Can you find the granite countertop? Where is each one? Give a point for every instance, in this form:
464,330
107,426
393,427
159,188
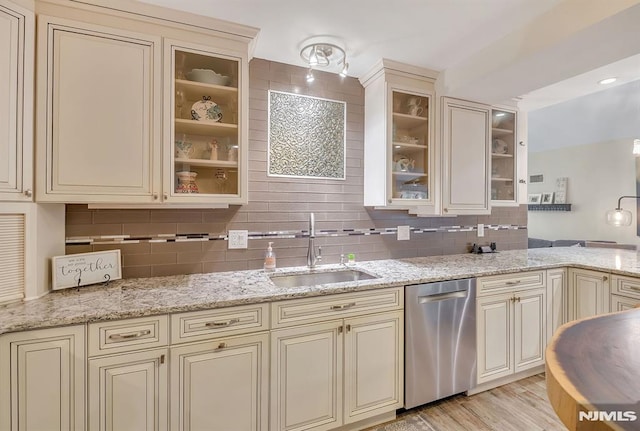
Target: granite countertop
148,296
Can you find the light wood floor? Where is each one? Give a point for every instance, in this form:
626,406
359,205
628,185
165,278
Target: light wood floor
519,406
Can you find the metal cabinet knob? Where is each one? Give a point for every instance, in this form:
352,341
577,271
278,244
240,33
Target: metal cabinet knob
28,193
155,196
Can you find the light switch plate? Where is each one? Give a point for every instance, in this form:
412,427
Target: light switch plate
238,239
480,230
404,233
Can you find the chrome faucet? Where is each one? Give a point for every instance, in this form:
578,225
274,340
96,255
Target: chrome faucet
312,257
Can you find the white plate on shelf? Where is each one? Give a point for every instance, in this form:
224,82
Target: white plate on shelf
206,110
498,146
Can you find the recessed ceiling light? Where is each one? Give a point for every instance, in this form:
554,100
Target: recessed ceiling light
607,81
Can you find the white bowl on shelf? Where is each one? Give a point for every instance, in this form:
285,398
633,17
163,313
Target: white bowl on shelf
207,76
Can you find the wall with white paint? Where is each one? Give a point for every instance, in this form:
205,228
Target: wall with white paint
598,174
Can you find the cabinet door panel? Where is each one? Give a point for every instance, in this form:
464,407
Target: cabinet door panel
556,300
102,86
588,293
220,384
494,337
373,365
46,372
16,105
306,377
529,329
466,155
128,392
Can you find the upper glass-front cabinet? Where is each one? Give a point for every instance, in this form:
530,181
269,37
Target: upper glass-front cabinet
410,147
206,153
400,153
503,156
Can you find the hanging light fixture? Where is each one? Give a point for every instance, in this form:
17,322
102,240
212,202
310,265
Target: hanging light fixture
619,217
324,55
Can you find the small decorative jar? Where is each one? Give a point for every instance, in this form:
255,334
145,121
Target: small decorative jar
186,182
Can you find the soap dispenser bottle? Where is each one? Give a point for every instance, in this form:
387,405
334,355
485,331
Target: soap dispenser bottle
269,259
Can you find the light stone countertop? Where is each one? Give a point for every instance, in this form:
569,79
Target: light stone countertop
157,295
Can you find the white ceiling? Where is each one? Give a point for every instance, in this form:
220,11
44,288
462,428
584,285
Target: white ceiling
435,34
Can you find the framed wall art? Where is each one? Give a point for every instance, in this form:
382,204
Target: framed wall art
307,137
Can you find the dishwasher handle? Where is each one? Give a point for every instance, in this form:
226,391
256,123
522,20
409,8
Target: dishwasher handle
442,296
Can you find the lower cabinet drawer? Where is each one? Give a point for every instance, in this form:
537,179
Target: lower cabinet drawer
128,335
501,283
623,303
220,322
309,310
626,286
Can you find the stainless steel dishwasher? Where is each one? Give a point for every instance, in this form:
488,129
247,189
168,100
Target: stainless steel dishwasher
440,340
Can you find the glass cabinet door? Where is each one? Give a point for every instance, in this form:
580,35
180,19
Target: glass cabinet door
410,147
205,133
503,155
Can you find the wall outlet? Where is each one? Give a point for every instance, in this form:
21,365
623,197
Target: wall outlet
480,230
404,233
238,239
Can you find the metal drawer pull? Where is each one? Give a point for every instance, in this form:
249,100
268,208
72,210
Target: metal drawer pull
130,335
221,324
513,283
222,345
344,306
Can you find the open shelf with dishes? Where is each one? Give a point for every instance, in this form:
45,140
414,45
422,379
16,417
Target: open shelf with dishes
503,156
206,146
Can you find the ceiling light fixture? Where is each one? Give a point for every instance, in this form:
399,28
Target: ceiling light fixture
324,55
619,217
607,81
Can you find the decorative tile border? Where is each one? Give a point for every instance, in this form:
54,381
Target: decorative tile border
198,237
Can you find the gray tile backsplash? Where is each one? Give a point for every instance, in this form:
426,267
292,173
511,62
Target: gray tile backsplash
283,204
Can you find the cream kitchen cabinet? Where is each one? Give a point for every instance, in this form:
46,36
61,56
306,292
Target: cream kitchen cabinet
208,155
557,297
625,293
589,293
505,152
511,330
127,374
466,159
42,380
623,303
116,96
339,370
17,46
128,391
222,378
221,384
401,154
98,115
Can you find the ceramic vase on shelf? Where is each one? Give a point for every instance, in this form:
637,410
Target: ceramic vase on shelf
186,182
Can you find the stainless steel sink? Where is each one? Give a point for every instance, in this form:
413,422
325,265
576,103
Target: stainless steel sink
314,278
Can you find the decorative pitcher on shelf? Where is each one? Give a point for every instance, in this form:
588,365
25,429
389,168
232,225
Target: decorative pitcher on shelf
186,182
